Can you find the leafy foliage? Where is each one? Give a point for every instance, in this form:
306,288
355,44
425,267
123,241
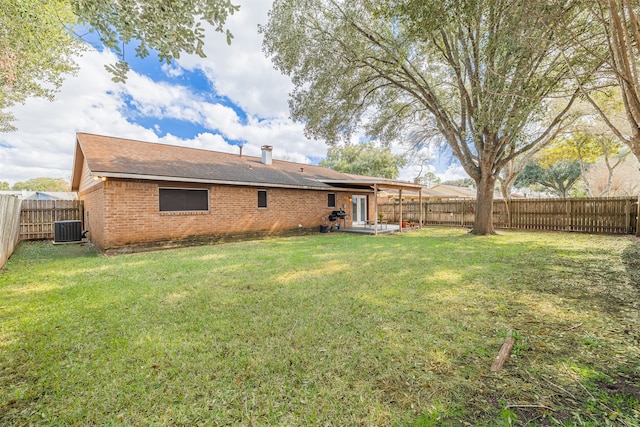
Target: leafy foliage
479,73
4,185
617,21
36,51
42,184
429,179
38,41
559,177
364,159
168,28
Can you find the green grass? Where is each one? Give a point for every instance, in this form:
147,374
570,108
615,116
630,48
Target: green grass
326,329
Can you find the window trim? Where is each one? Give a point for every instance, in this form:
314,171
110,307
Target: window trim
266,199
186,189
335,200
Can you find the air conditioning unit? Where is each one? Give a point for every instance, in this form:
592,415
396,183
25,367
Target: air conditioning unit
67,231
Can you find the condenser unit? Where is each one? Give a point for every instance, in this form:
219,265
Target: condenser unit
67,231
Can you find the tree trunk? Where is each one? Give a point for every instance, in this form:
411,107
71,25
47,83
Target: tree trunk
484,206
634,144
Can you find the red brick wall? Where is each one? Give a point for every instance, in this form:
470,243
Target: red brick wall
93,213
125,213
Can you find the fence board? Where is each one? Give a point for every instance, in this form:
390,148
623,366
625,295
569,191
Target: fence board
37,216
586,215
9,226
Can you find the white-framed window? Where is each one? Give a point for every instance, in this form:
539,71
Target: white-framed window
183,199
262,199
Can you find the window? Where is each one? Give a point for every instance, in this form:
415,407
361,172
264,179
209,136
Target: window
262,198
331,200
180,200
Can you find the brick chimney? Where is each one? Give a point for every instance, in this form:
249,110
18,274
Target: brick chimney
266,154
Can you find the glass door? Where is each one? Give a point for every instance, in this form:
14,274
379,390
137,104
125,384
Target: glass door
359,205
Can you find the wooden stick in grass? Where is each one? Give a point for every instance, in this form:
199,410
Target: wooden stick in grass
503,355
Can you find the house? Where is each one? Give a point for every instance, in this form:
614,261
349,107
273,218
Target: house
456,192
41,195
147,194
392,196
446,191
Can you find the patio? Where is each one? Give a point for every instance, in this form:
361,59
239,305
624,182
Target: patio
382,229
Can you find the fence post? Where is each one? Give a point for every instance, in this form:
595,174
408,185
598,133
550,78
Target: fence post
425,211
627,211
638,219
568,212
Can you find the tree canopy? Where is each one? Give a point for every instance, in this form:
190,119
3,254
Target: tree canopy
620,29
479,73
559,177
42,184
168,28
39,39
36,51
364,159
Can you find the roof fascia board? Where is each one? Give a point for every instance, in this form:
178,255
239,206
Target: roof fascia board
381,184
213,181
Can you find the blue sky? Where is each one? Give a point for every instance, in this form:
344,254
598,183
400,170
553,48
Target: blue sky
231,97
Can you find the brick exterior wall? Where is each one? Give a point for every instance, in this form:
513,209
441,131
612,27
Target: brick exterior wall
94,218
125,213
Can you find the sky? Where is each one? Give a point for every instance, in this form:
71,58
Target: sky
233,96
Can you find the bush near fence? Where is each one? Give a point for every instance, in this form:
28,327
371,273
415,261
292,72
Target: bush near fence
588,215
9,226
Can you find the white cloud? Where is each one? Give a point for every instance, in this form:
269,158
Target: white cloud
91,102
44,142
241,71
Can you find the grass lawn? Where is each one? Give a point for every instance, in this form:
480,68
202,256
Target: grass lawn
325,329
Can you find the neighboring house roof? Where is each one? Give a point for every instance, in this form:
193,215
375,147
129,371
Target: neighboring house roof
41,195
124,158
427,193
453,192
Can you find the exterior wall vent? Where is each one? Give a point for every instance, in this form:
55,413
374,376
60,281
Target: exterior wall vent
67,231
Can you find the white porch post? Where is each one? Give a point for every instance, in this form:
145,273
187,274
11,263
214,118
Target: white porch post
420,204
375,210
400,197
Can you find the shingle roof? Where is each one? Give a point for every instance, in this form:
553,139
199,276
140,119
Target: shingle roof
125,158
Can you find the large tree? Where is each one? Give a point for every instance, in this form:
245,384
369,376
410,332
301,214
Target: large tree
559,177
586,148
481,72
42,184
36,51
40,38
619,32
364,159
167,27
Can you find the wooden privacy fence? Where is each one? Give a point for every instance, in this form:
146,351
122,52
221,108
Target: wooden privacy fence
9,226
589,215
37,216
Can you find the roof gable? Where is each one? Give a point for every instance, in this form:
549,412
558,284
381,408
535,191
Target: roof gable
125,158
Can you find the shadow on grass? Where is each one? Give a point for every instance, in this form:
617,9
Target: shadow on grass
325,329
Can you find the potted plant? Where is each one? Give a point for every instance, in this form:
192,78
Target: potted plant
380,216
404,223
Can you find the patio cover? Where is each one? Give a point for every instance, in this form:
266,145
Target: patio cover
379,184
